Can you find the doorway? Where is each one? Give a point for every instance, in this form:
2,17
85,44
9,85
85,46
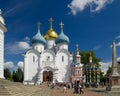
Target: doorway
47,76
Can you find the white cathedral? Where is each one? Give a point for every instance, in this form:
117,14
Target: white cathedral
49,58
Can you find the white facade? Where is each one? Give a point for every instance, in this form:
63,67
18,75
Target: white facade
36,63
47,62
2,30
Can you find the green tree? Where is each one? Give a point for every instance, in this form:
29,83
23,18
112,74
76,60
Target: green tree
102,78
18,75
7,74
85,60
109,71
85,57
15,76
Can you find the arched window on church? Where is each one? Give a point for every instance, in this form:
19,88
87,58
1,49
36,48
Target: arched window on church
33,59
62,58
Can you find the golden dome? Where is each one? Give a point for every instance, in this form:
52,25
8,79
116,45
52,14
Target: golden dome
50,34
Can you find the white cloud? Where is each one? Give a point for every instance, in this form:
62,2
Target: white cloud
118,59
80,5
20,65
9,65
118,44
16,47
117,37
105,66
11,10
23,45
27,39
97,47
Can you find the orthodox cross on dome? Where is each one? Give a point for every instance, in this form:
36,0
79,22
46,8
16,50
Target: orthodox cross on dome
77,47
61,25
39,26
51,20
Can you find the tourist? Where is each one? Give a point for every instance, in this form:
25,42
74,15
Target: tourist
64,89
52,86
75,87
81,90
68,86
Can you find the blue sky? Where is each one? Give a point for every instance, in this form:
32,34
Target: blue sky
92,24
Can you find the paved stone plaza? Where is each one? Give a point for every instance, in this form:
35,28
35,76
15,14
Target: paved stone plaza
8,88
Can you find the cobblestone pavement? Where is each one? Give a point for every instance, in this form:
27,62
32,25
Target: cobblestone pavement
87,92
8,88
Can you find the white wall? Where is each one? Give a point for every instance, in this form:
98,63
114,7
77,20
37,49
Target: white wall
62,46
32,65
38,47
47,60
1,53
50,43
63,67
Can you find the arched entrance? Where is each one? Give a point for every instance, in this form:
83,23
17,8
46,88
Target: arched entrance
47,76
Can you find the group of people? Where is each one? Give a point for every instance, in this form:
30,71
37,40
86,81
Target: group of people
78,88
65,86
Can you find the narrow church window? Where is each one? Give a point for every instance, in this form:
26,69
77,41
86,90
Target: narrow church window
62,58
33,58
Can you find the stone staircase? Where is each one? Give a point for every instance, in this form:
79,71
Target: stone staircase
8,88
4,91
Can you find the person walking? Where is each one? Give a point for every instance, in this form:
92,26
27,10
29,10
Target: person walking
81,90
64,89
75,88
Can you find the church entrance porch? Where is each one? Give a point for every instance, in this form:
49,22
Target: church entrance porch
47,76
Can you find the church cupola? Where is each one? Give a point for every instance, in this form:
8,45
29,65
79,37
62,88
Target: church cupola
50,34
38,40
62,38
90,58
77,55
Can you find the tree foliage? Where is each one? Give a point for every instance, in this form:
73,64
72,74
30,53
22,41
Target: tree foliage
109,71
18,75
102,77
7,73
85,57
85,60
